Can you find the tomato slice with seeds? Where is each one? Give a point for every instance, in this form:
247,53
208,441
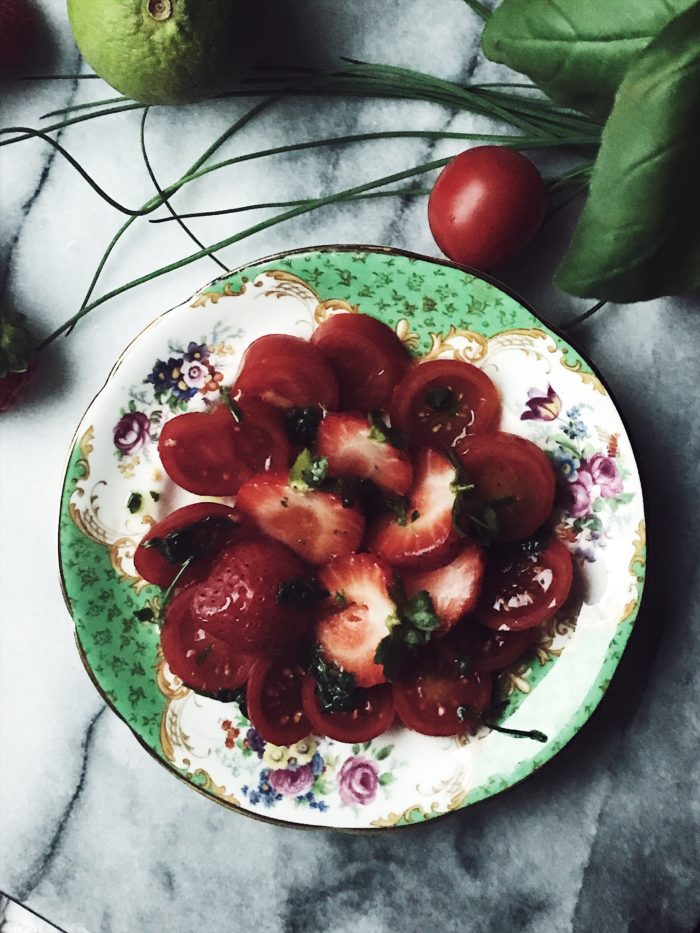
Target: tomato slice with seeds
275,703
514,476
213,454
373,714
203,662
287,372
434,696
525,586
218,522
367,357
442,401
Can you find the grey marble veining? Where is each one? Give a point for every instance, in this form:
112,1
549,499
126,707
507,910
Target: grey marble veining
94,834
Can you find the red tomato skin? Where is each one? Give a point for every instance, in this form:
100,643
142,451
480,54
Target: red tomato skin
495,651
486,206
480,410
556,558
211,454
275,703
503,464
204,663
429,690
374,716
152,565
367,358
286,372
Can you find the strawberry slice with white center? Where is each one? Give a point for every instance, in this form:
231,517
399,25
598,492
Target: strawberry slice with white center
453,588
360,615
421,535
357,446
290,508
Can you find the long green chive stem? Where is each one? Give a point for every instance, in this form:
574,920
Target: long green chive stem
207,154
584,317
31,133
534,734
402,193
243,234
479,8
166,202
94,103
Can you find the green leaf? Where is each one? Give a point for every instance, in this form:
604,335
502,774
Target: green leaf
638,236
336,688
301,425
386,778
419,612
134,502
384,752
399,506
191,541
308,472
301,593
383,434
576,51
16,346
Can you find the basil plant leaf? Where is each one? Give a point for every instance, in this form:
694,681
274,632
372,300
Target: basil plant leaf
576,51
638,236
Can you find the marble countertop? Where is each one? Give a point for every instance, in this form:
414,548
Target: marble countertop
94,835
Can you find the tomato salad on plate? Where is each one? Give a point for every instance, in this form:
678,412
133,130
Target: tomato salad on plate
383,551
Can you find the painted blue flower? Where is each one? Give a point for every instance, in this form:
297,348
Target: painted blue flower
196,352
317,764
575,429
256,742
266,792
566,465
160,377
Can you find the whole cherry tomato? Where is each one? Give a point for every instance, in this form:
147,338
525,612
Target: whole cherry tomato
486,206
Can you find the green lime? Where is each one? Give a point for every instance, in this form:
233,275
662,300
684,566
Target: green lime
165,51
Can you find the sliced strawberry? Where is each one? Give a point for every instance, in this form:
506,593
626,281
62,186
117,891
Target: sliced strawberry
423,537
239,601
313,523
453,588
355,447
360,614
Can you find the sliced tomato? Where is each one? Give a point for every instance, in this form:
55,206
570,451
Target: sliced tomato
433,696
210,523
514,475
203,662
373,714
367,357
275,703
213,454
494,651
440,402
525,586
286,372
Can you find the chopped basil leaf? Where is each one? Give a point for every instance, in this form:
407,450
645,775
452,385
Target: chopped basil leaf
335,687
414,627
300,594
190,542
308,472
134,502
399,506
301,425
231,405
155,496
383,434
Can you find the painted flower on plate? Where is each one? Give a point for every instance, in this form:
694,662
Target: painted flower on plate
358,781
292,782
605,475
131,432
542,405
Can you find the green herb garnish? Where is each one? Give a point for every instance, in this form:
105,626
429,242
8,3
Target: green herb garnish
301,425
191,542
383,434
336,688
415,626
301,593
308,472
235,409
134,502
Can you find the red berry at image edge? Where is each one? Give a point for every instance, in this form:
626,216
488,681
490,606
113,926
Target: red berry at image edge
12,385
17,25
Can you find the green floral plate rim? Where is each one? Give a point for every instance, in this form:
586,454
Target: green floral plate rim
115,488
